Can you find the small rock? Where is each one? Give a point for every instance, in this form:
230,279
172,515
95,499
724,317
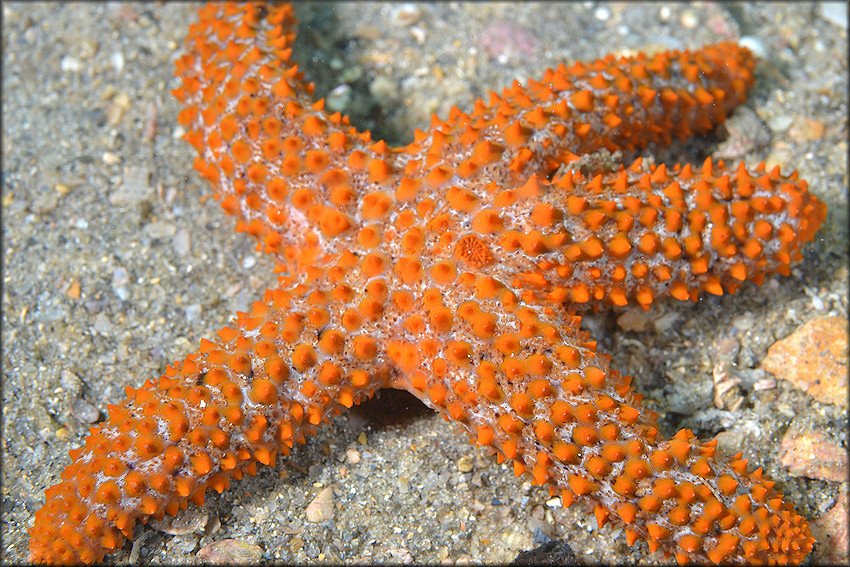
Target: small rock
102,324
138,543
780,123
806,129
506,40
70,64
814,455
110,158
182,242
189,521
71,383
321,508
134,188
754,44
464,464
45,202
746,134
602,13
835,13
814,359
149,130
193,312
727,394
634,319
383,89
83,411
405,15
689,20
726,349
160,229
352,456
556,552
833,527
231,552
766,383
666,321
74,291
117,61
400,555
118,107
120,277
339,98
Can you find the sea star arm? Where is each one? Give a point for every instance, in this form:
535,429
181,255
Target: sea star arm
519,378
306,184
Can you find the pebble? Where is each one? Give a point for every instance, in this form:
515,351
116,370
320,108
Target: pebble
45,202
689,20
814,359
102,324
464,464
835,13
780,123
666,321
83,411
192,520
602,14
400,555
507,40
70,64
182,242
383,89
231,552
352,456
814,455
110,158
136,550
74,290
339,98
405,15
115,112
727,394
634,319
193,312
160,229
833,538
806,129
755,45
117,61
746,134
120,277
71,383
134,188
766,383
321,508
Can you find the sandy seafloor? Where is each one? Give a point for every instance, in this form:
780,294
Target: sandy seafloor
95,207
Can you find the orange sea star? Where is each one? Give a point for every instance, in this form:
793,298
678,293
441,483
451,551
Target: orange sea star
449,268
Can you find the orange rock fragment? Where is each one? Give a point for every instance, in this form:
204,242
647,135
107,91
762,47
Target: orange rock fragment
814,359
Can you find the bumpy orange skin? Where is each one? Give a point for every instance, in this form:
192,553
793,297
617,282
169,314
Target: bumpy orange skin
449,268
